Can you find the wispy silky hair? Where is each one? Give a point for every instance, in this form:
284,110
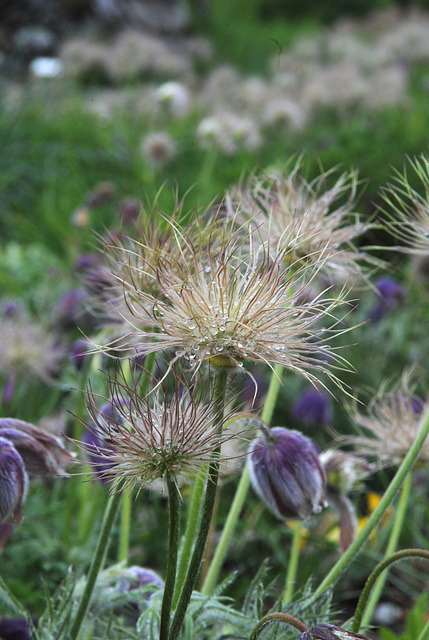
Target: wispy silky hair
407,215
392,423
301,218
229,306
28,349
172,432
132,262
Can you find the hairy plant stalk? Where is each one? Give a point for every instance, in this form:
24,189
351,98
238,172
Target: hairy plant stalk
174,501
188,541
347,558
205,519
124,531
293,564
384,564
96,564
391,546
241,492
277,617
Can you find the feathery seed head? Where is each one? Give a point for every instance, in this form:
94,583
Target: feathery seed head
28,349
226,307
408,220
393,423
302,218
156,437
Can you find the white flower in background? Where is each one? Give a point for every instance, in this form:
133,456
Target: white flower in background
158,149
176,97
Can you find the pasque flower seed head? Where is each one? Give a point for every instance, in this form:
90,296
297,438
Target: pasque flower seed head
166,434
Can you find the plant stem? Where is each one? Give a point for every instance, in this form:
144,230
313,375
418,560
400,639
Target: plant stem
206,515
293,564
391,546
96,564
174,502
191,526
241,492
277,617
351,553
425,632
124,531
384,564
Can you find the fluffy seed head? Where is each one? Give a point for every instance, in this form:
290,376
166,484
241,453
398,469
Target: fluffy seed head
228,306
163,435
28,349
300,218
392,423
408,213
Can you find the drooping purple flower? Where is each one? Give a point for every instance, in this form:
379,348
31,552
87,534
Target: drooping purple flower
15,629
330,632
312,408
286,473
13,483
41,452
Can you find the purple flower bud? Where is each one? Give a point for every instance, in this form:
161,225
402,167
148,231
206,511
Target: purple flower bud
286,473
253,391
330,632
15,629
41,452
6,531
390,293
87,262
11,308
13,483
94,444
70,309
137,577
100,195
78,353
312,408
129,210
9,389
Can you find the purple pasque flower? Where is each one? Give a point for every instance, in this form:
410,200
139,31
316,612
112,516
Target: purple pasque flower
330,632
286,473
79,352
135,577
96,447
41,452
13,483
312,408
390,294
15,629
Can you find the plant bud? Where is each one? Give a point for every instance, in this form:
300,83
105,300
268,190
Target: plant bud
15,629
42,453
13,483
312,408
286,473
